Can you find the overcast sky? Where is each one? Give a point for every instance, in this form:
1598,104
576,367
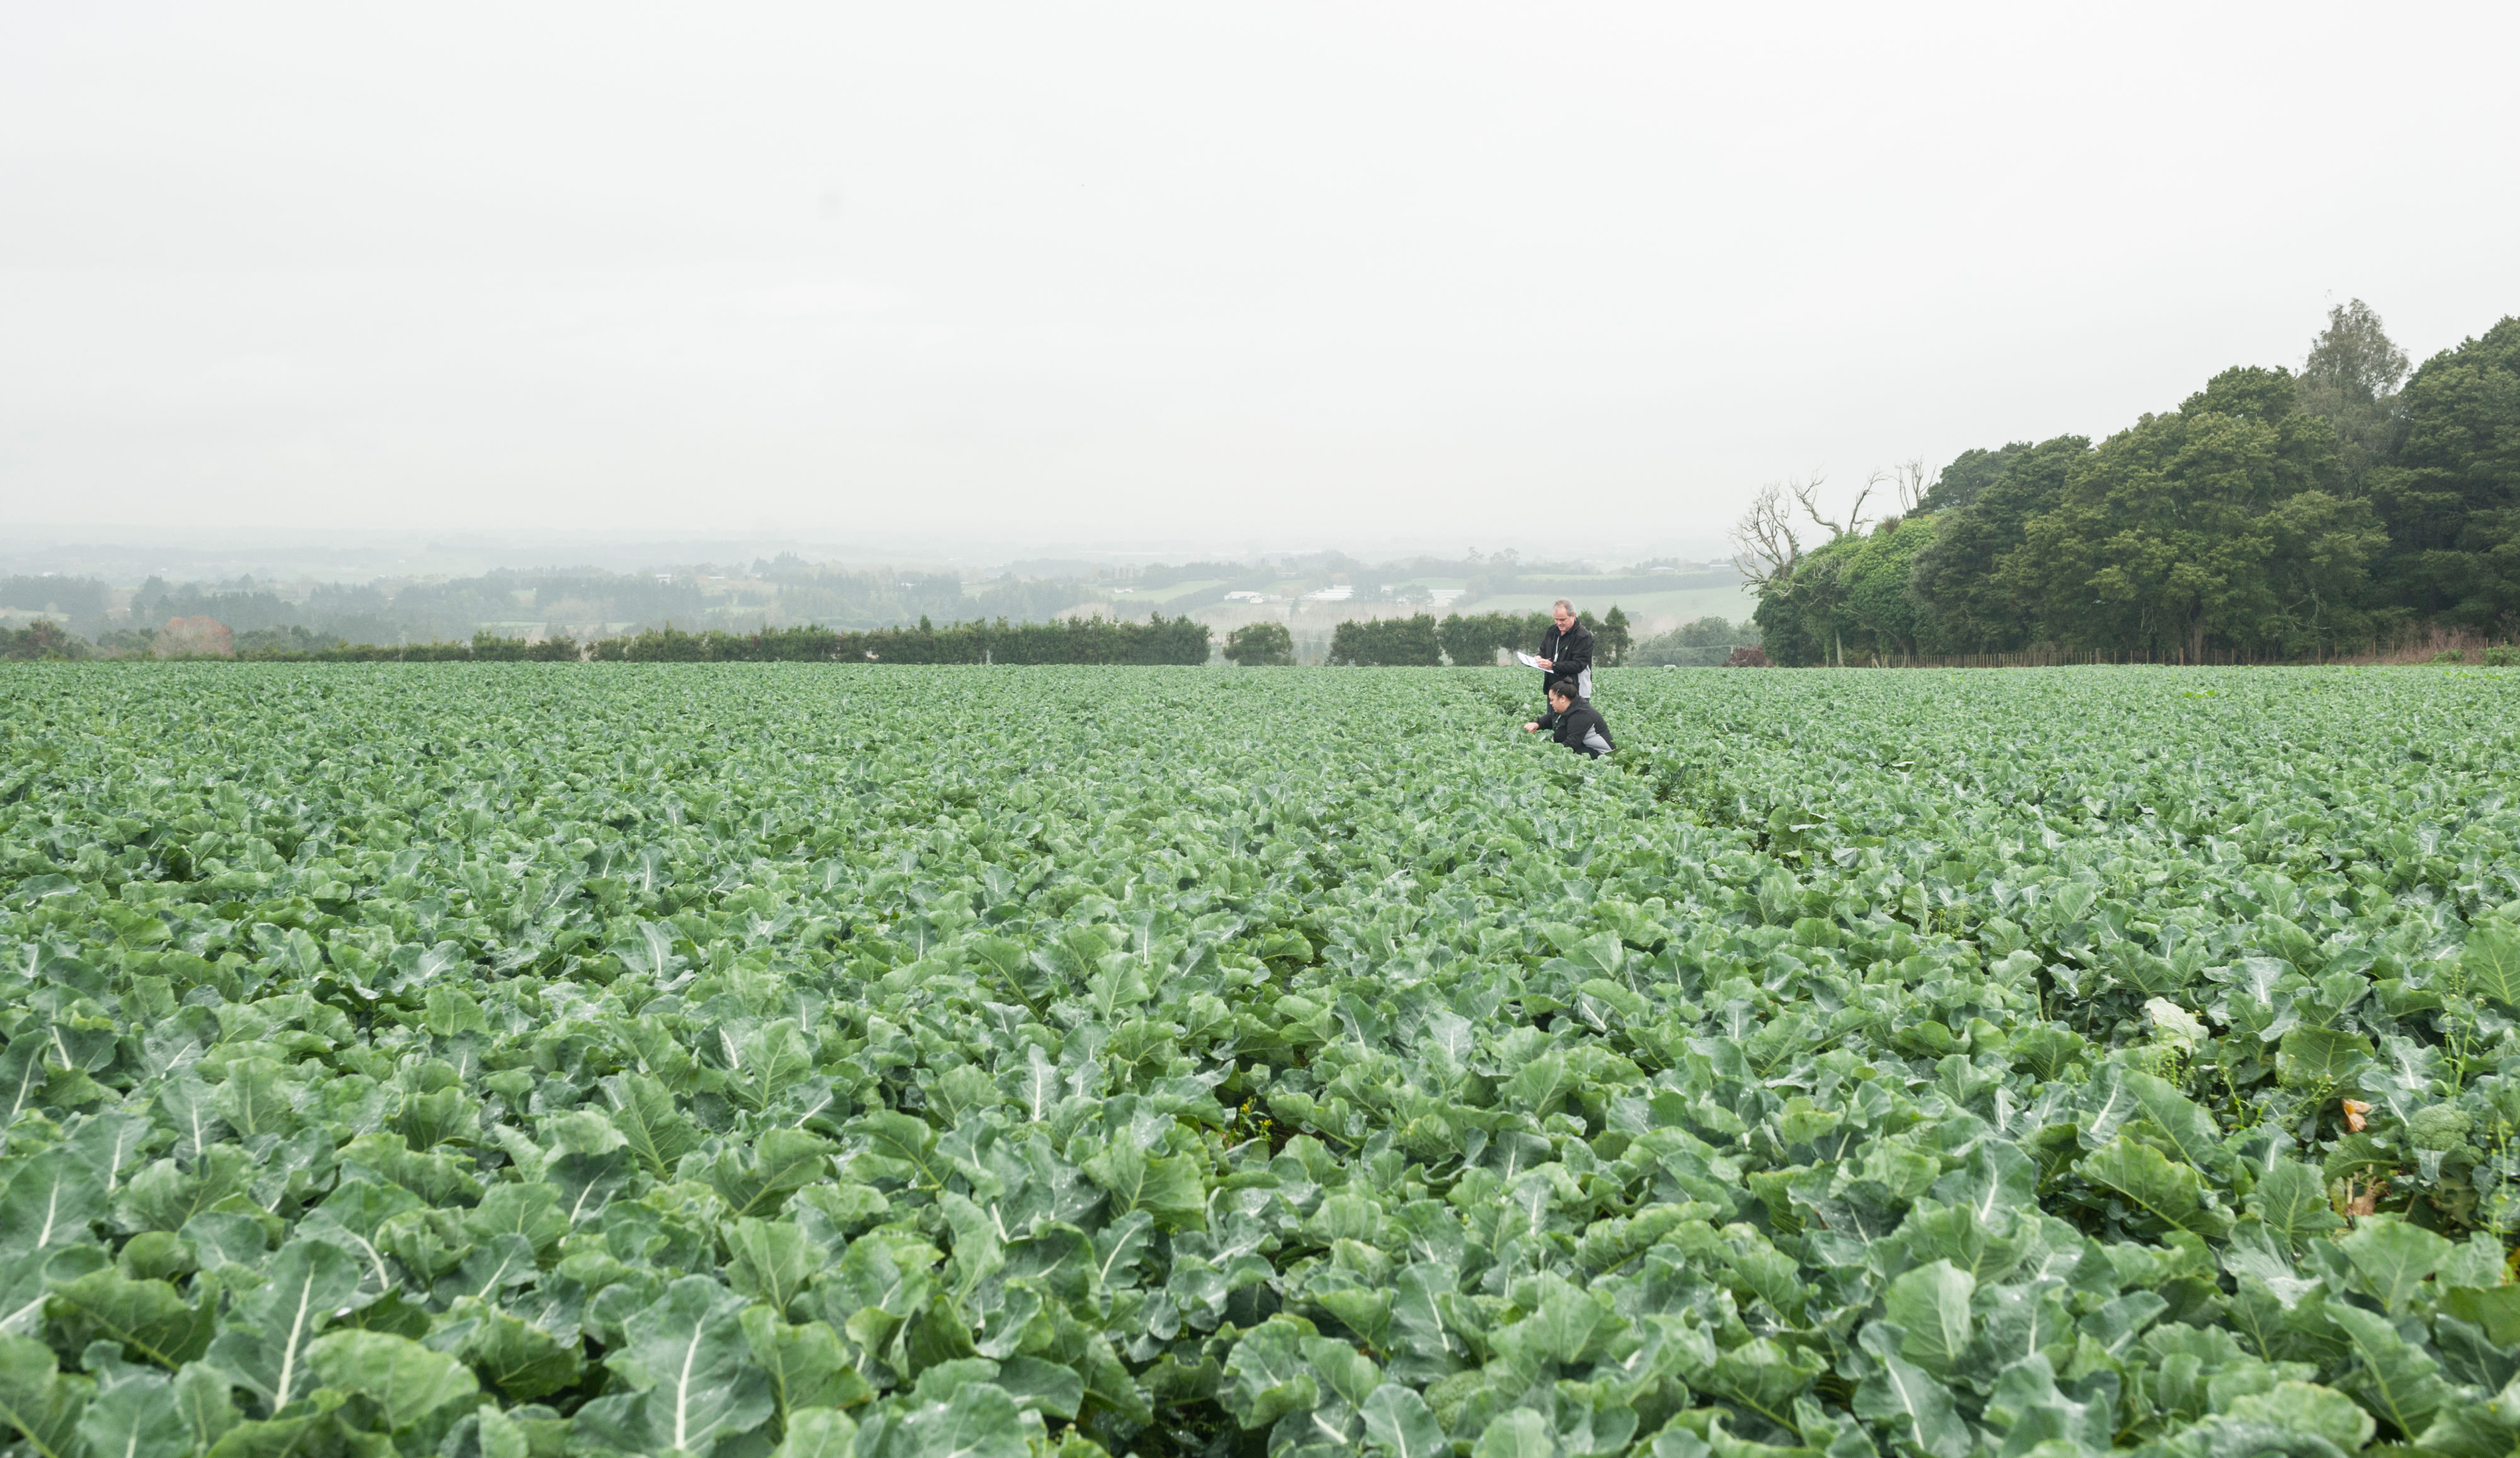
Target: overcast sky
1282,273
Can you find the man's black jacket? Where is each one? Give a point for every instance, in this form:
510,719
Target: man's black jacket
1572,728
1569,654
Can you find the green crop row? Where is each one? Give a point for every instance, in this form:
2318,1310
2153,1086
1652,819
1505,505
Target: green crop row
751,1060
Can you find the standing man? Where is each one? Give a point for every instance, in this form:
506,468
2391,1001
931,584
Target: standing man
1566,650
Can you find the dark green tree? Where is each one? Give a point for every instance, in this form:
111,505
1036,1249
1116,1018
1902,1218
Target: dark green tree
2349,379
1261,645
41,639
1468,641
2218,525
1880,611
1612,639
2451,499
1475,639
1962,604
1387,643
1969,475
1802,615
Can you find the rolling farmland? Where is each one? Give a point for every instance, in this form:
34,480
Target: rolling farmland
909,1061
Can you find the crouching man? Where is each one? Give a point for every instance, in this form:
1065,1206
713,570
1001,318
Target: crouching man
1573,722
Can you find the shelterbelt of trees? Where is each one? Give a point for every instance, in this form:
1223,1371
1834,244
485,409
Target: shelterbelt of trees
1466,641
1391,642
2271,516
1071,640
1074,641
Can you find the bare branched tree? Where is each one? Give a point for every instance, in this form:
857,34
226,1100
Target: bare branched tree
1806,494
1915,480
1764,547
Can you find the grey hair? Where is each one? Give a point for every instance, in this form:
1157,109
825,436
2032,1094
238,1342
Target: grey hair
1562,603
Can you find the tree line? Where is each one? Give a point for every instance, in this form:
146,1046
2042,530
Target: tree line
579,603
783,592
1073,641
1462,640
1419,641
2273,515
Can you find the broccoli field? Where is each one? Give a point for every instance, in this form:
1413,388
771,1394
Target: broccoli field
876,1062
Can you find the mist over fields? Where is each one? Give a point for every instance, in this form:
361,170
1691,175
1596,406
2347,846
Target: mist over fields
318,592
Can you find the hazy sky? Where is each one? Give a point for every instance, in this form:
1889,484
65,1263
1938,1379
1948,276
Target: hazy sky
1281,274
